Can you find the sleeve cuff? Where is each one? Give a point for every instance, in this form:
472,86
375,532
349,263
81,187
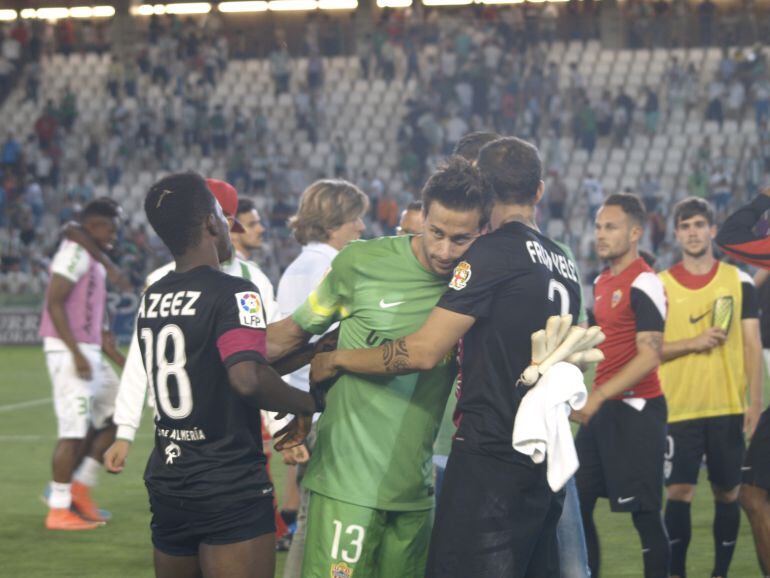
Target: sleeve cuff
125,432
244,356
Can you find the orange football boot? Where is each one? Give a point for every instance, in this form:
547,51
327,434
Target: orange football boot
84,504
66,519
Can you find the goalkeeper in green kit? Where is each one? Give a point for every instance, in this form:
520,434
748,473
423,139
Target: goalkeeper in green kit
370,475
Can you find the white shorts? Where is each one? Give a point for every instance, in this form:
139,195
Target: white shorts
79,403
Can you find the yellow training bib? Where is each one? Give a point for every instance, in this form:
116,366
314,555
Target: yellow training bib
709,384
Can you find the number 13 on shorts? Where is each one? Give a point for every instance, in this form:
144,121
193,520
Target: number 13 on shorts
345,540
354,553
336,538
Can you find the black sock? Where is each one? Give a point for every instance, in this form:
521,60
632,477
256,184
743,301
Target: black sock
727,520
587,504
289,516
655,548
679,527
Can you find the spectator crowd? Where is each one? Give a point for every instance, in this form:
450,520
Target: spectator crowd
481,68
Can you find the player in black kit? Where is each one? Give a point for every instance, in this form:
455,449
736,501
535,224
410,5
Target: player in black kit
202,334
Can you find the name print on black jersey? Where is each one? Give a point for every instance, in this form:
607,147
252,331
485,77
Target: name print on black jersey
551,259
175,304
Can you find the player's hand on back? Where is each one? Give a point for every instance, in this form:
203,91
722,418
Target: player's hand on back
82,366
709,339
115,456
322,367
293,434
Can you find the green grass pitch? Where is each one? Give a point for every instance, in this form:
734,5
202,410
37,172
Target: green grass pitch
122,548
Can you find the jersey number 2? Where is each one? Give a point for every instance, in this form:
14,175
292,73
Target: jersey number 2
167,368
555,287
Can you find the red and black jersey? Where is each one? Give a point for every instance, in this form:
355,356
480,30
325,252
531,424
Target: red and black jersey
737,238
192,326
624,304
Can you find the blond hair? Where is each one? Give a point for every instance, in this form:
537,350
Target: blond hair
324,206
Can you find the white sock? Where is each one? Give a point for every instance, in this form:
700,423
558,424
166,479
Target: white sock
61,496
88,472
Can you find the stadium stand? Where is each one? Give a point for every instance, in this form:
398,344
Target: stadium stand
663,122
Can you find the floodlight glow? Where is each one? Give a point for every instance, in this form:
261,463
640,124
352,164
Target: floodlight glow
8,15
103,11
338,4
292,5
394,3
149,9
189,8
447,2
246,6
51,13
81,12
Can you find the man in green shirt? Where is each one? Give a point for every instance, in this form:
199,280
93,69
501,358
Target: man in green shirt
370,475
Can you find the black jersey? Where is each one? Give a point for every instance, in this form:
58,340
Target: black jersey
511,281
208,444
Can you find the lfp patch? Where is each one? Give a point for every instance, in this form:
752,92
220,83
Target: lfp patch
250,310
341,570
461,276
617,295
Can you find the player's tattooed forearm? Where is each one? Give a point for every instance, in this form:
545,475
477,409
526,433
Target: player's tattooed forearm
653,340
395,355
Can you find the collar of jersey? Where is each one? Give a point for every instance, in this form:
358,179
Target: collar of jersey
323,248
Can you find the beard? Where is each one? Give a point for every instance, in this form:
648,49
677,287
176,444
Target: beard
617,253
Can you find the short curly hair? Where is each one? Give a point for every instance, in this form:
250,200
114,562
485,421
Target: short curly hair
176,207
513,169
458,185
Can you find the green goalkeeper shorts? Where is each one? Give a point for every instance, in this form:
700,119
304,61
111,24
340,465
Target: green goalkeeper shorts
345,540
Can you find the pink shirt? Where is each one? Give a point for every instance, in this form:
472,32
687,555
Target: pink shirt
86,303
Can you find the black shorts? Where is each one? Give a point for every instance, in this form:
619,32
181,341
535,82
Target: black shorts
756,467
494,518
179,527
621,455
719,438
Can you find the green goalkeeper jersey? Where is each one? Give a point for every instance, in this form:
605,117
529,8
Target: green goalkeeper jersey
375,437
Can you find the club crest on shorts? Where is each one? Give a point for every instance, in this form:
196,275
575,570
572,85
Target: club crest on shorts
341,570
172,452
461,276
617,295
250,310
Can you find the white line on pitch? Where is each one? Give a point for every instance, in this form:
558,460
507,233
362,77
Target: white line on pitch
39,438
24,404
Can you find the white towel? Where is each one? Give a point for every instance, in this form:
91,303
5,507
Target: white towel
542,423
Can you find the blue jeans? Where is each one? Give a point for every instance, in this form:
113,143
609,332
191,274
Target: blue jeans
573,557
